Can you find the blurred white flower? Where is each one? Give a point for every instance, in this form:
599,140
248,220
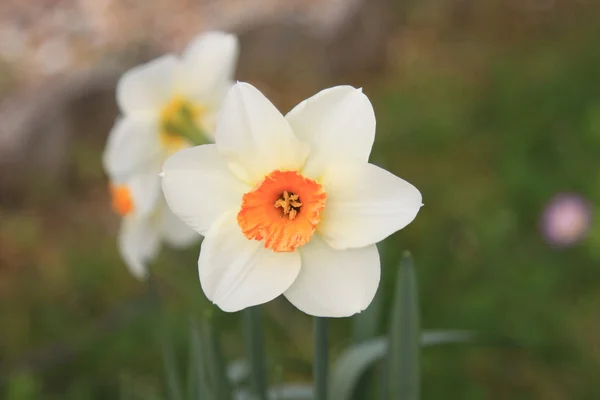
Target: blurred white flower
147,222
169,92
164,104
290,205
566,219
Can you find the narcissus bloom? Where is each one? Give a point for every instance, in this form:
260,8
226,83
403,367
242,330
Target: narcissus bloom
290,205
147,223
164,104
169,92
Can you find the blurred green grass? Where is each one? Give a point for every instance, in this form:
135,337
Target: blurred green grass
488,125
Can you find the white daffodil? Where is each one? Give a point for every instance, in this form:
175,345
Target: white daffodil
147,223
166,105
167,102
290,205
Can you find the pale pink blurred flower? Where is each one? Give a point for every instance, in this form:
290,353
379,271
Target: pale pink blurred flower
566,219
54,56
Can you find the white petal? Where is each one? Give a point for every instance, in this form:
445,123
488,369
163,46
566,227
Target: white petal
175,232
335,283
139,244
338,123
199,187
145,189
133,143
236,273
255,137
208,64
365,204
147,87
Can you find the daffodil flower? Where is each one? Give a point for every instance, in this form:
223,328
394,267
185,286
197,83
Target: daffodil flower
167,105
290,205
170,103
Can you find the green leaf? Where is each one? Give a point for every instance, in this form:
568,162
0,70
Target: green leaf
432,338
357,359
171,374
215,361
197,383
352,364
405,335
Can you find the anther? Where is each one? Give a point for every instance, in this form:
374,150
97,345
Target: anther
289,203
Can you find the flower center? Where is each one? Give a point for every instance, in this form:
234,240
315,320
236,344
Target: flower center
177,118
283,210
122,201
289,204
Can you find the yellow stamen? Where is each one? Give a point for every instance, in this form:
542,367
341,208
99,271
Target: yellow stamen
290,204
177,115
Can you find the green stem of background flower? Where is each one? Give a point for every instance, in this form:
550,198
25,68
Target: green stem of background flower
187,129
193,134
321,357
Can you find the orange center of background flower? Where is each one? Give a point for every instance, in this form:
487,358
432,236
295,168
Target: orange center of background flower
122,201
284,210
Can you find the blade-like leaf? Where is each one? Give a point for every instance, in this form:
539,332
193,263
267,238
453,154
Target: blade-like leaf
171,373
432,338
357,359
352,364
197,384
404,370
215,362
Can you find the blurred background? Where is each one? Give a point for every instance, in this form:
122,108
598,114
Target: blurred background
491,108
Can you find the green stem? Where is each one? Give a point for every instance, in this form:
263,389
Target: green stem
254,338
321,357
187,129
172,378
193,134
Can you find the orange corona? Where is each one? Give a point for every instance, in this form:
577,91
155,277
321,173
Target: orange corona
284,210
122,201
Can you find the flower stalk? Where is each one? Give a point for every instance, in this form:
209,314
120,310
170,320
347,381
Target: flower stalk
321,357
254,338
187,129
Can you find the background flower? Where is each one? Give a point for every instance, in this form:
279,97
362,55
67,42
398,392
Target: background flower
167,105
566,219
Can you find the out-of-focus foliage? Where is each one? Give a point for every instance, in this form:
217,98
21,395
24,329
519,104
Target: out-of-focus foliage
489,114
